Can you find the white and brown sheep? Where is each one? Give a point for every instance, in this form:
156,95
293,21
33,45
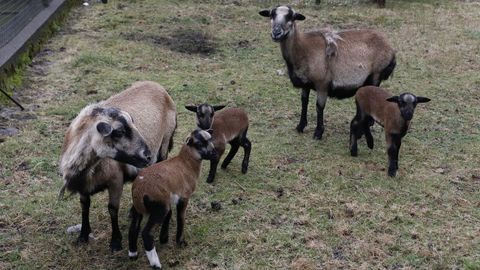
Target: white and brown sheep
159,187
229,126
108,140
394,113
333,64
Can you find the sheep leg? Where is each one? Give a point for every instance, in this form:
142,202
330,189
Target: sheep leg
355,133
354,136
86,230
303,117
165,228
214,164
247,147
115,194
393,144
235,143
133,233
157,212
321,101
181,208
366,129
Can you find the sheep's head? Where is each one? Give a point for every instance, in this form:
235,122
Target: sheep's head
282,19
201,141
205,113
406,103
114,135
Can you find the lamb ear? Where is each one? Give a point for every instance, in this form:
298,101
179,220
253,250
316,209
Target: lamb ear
104,128
189,141
264,12
210,131
191,108
298,17
218,107
422,99
393,99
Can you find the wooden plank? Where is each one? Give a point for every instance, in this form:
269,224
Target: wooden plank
17,45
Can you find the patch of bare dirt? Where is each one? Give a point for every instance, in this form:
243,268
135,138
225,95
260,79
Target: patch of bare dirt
189,41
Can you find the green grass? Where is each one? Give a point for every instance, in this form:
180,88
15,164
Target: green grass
335,212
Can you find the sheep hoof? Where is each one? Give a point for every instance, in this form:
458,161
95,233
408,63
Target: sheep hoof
82,240
392,173
115,246
353,152
209,180
182,244
317,135
164,240
300,128
244,169
133,256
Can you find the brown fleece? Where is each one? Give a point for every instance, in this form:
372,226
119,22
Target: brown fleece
368,50
177,175
373,101
153,112
228,124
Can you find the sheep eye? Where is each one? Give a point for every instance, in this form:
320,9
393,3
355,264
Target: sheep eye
118,133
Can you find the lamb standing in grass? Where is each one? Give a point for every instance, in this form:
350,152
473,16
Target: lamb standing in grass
392,112
229,126
167,183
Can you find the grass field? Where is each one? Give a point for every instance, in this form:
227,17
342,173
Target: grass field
304,204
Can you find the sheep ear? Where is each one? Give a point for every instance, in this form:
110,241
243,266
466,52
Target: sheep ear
298,17
191,108
210,131
264,13
189,141
218,107
422,99
104,128
393,99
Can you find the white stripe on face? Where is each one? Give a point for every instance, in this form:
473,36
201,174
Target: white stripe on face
409,98
281,12
206,110
206,136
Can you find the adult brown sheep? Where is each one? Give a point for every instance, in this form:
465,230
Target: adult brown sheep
109,140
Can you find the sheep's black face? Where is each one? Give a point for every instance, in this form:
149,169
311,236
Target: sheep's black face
205,113
117,138
282,19
406,103
201,140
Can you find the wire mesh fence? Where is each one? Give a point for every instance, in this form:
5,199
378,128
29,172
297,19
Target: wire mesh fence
16,14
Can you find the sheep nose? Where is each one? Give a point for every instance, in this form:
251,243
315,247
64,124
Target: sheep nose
277,31
147,154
